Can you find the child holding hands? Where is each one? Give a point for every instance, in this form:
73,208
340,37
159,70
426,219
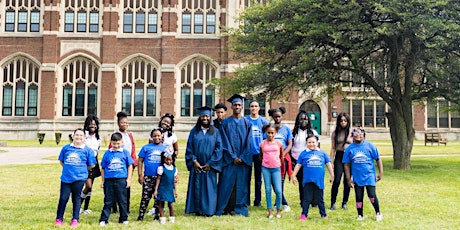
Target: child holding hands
271,154
117,169
165,188
313,161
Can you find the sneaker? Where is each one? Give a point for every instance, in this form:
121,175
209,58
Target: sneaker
58,222
278,216
270,217
172,219
333,206
325,217
74,223
151,211
162,220
81,211
102,223
360,218
286,208
125,222
87,211
303,217
379,217
344,206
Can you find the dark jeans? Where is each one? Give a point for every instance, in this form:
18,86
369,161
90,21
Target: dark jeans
359,192
312,192
115,191
339,170
73,188
257,165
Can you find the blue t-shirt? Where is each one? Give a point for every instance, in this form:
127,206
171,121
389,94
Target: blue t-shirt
313,166
283,135
115,163
362,156
257,135
152,157
76,161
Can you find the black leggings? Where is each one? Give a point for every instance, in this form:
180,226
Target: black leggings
339,170
359,192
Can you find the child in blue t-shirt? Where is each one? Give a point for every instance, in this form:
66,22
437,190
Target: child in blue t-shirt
360,156
117,169
75,158
165,188
149,160
313,161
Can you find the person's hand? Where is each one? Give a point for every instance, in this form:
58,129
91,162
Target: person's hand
155,194
351,184
294,180
206,167
141,180
102,184
379,176
237,161
176,178
197,166
331,180
128,183
175,194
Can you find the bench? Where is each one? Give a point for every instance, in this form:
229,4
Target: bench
435,138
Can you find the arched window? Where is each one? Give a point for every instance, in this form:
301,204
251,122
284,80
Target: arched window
20,87
139,88
80,87
196,90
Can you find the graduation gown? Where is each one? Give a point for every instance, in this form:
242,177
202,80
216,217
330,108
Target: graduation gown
237,143
202,186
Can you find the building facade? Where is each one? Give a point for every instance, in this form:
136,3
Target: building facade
61,60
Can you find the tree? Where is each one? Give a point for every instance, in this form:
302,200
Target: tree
310,44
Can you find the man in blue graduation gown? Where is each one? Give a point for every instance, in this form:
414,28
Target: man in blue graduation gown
233,186
203,157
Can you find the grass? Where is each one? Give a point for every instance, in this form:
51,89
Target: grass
425,197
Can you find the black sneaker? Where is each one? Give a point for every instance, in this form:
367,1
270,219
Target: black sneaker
333,206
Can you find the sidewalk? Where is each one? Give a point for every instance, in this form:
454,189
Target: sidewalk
29,155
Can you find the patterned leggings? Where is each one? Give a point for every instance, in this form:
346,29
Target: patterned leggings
148,188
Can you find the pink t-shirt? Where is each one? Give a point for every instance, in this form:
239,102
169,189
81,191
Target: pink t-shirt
271,154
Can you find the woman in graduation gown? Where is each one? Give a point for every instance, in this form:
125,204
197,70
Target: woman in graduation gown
203,158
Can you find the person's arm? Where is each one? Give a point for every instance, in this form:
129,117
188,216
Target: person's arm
288,147
140,168
294,174
155,194
331,171
176,149
130,175
61,163
332,153
175,187
102,177
380,166
348,175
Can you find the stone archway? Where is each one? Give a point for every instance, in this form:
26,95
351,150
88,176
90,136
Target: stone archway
314,112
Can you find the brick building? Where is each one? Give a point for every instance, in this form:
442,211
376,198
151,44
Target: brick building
61,60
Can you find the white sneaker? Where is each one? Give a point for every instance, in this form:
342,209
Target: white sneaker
81,211
172,219
286,208
102,223
278,216
162,220
360,218
125,222
151,211
87,211
379,217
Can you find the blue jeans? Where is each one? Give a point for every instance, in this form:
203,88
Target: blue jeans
272,176
73,188
115,191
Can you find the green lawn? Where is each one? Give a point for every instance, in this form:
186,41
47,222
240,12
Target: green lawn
425,197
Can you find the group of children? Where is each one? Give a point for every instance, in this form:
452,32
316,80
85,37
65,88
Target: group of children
156,171
359,171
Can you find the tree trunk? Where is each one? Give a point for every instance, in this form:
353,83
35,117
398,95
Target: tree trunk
402,137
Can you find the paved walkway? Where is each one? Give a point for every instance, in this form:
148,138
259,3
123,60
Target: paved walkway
29,155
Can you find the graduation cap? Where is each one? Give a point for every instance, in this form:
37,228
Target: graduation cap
236,98
205,110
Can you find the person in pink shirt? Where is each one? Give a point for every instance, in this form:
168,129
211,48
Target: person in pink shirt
271,154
